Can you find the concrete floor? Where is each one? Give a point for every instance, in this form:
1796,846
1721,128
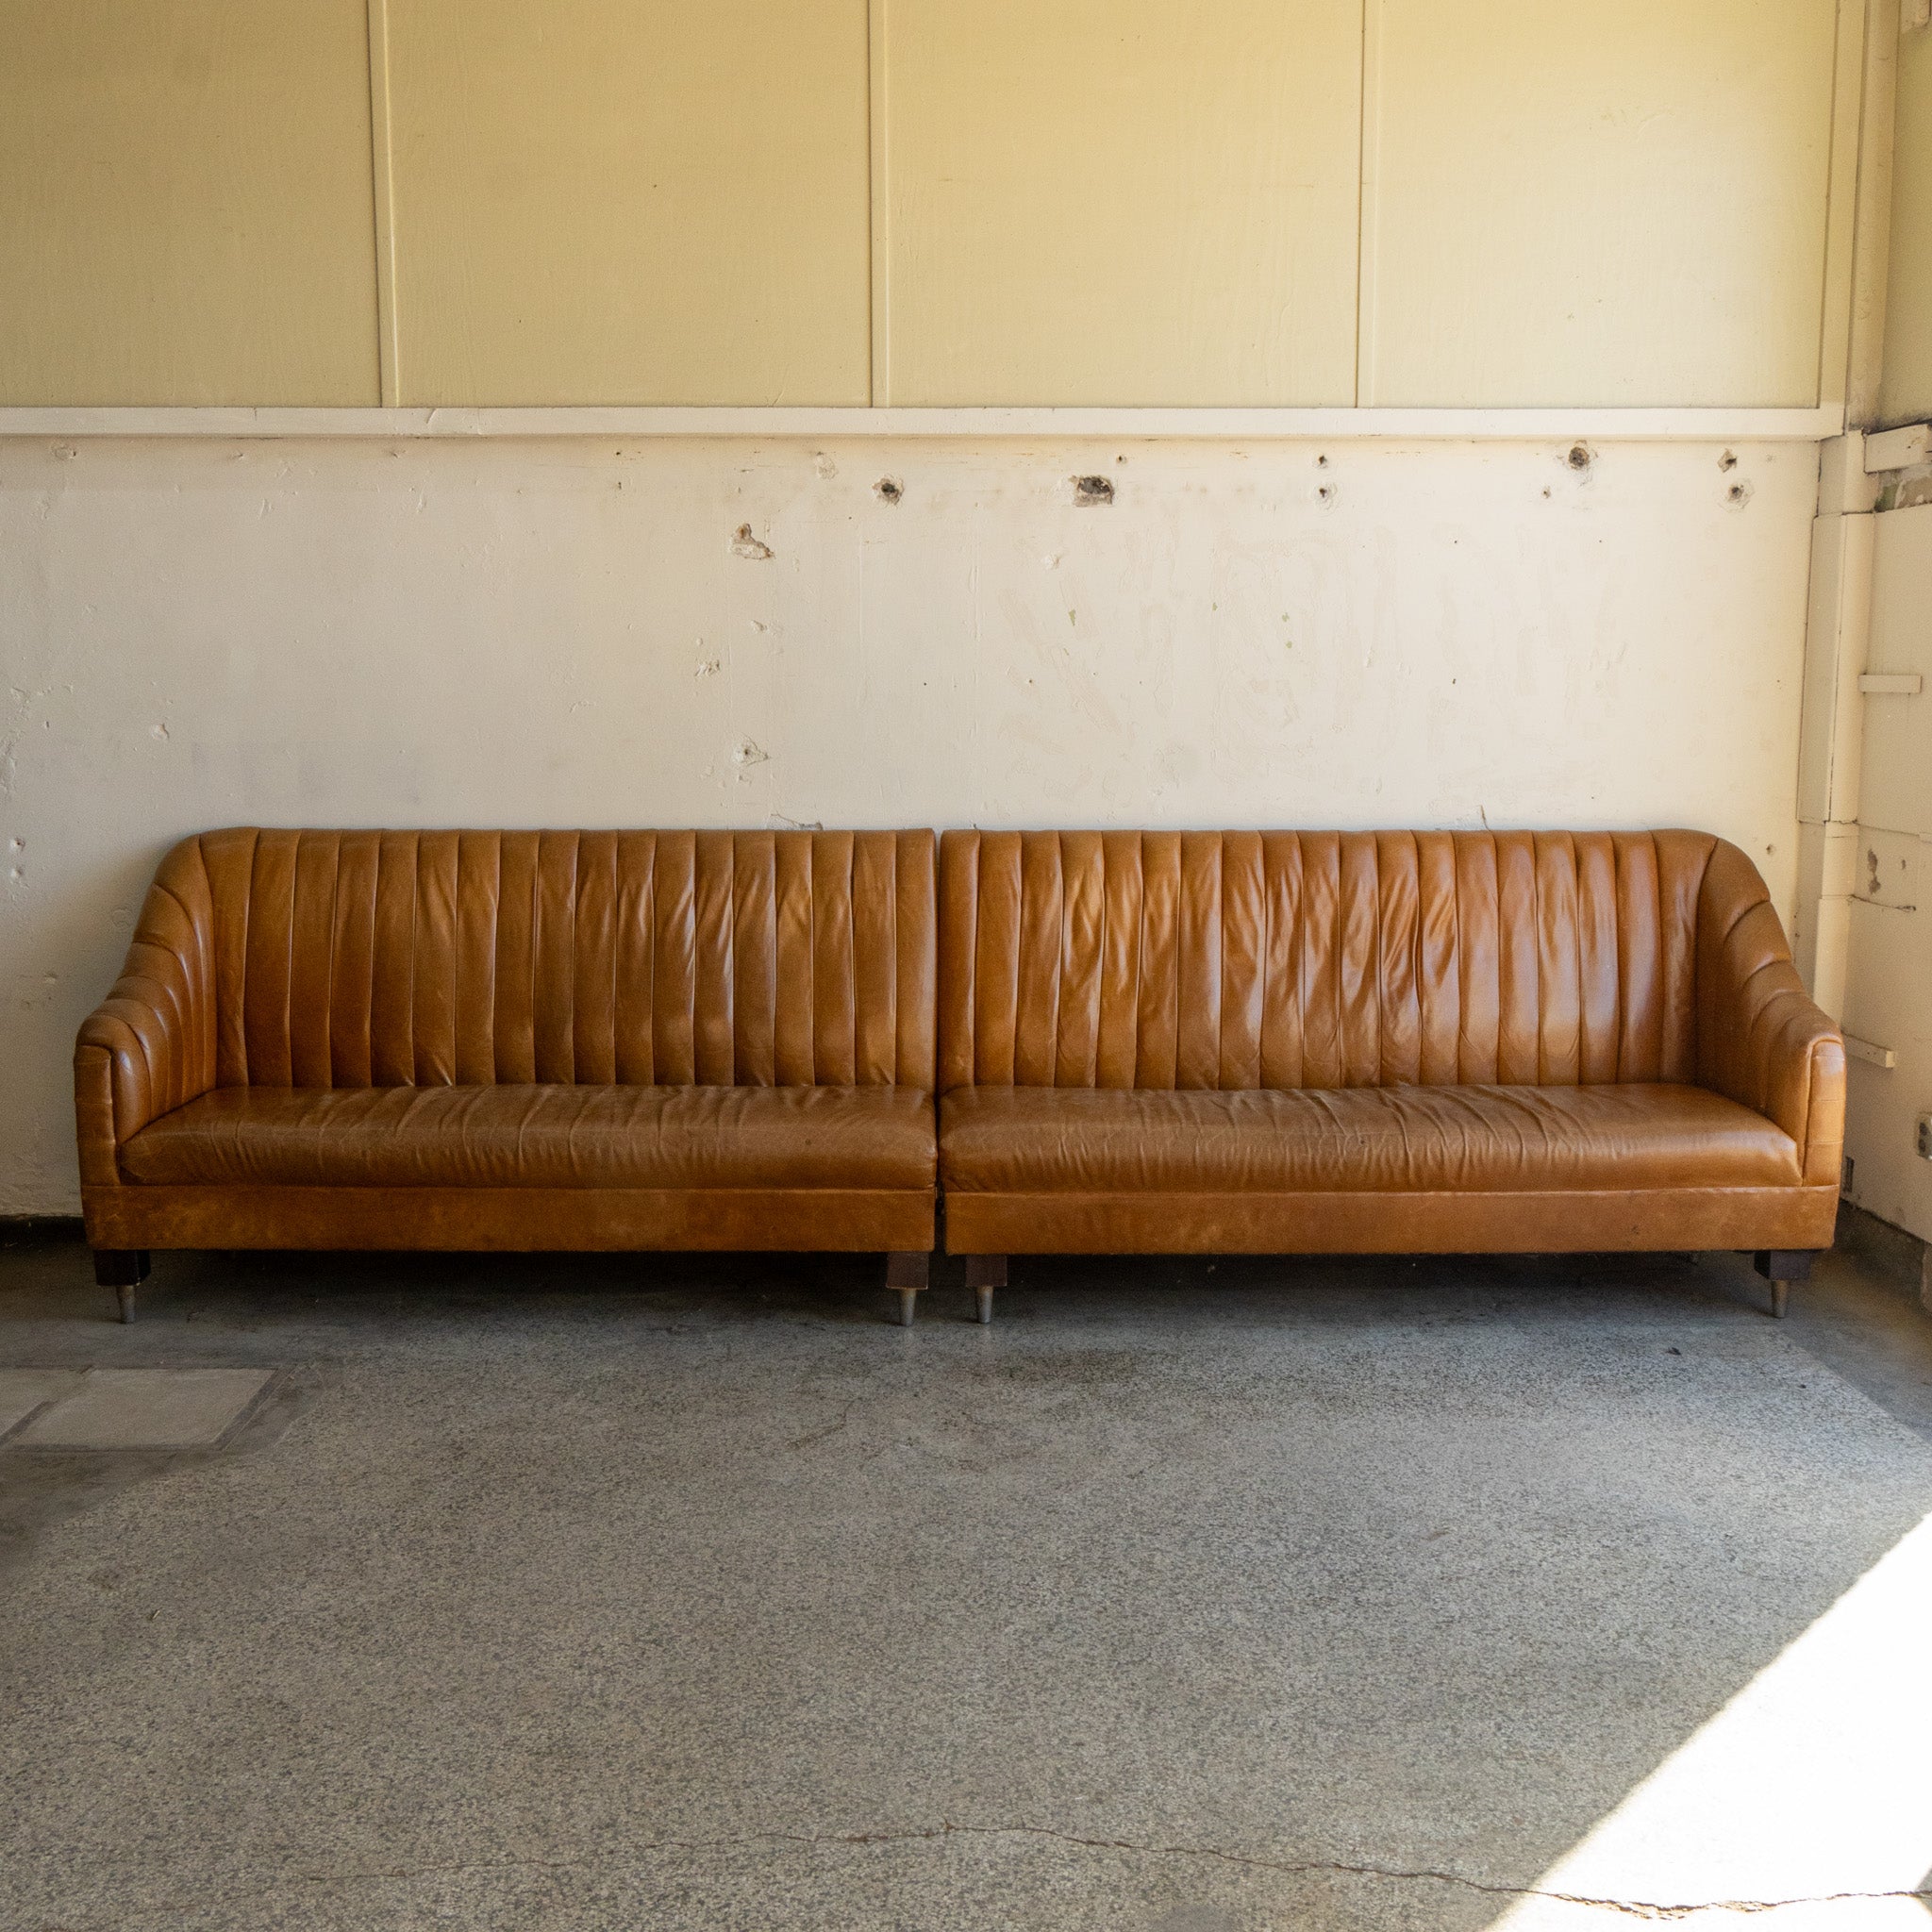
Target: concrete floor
688,1593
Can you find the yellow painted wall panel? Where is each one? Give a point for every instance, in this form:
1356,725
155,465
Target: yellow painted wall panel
1905,394
1595,205
1120,202
185,203
630,201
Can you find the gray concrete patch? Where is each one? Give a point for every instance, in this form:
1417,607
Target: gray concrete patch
658,1592
23,1390
146,1409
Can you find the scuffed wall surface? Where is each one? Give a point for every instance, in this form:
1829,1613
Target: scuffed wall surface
203,633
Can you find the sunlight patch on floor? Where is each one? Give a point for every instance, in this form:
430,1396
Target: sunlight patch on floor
1808,1793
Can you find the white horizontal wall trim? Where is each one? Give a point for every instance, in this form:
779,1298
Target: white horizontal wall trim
1609,425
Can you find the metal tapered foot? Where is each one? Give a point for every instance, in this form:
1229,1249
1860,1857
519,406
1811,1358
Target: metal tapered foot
907,1271
1781,1267
985,1272
123,1270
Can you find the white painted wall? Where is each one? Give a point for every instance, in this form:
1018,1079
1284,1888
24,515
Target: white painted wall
202,632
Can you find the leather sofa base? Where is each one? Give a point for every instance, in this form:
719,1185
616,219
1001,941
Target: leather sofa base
512,1220
1634,1221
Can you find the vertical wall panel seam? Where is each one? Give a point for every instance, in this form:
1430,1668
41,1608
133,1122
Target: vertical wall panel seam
382,183
1368,132
879,209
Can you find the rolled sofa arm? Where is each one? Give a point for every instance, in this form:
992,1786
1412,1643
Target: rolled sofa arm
149,1046
1761,1040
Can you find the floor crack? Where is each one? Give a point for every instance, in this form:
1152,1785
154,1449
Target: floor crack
1654,1910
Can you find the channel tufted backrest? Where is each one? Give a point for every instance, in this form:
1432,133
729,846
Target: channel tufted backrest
654,959
1305,959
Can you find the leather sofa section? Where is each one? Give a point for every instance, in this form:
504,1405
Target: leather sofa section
1375,1041
1386,1140
541,1136
592,1039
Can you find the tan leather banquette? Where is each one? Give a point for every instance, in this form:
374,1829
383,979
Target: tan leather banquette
519,1040
1376,1043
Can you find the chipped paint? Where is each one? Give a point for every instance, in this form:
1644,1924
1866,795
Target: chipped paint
512,641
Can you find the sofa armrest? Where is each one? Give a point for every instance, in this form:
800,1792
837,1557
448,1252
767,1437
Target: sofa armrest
149,1046
1761,1040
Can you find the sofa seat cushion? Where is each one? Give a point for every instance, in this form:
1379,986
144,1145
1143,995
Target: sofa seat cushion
1393,1139
541,1136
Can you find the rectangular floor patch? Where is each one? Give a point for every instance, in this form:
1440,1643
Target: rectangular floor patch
146,1409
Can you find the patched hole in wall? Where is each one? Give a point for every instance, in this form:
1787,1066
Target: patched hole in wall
1580,456
889,489
1736,494
1089,490
1728,460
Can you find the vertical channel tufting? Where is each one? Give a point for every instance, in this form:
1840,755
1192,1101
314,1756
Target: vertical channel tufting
434,961
1281,1010
1438,979
1321,961
834,1041
1478,959
1517,1035
1037,1018
479,882
1682,857
391,1024
1597,956
271,923
714,1030
311,957
229,857
351,960
675,970
1398,1011
1197,963
593,984
754,959
552,958
1558,970
513,1034
1360,969
1640,958
918,960
874,957
1243,960
1083,913
1158,1058
1117,1047
996,958
793,1058
635,962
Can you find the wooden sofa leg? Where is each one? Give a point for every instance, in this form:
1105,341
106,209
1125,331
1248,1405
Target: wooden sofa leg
1781,1267
120,1269
908,1271
985,1272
